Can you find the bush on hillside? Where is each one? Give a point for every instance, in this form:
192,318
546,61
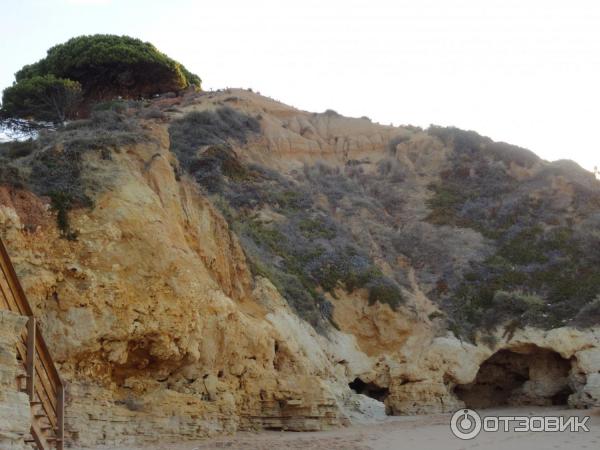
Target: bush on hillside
54,164
42,98
590,314
108,66
84,70
208,128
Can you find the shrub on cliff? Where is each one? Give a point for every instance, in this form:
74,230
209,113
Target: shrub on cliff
43,98
215,128
590,314
108,66
91,68
17,149
62,164
516,305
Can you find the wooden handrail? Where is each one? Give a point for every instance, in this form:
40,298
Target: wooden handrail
44,385
30,357
13,281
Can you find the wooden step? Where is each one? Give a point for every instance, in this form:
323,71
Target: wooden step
32,441
38,437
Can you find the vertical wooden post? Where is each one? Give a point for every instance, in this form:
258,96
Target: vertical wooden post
30,363
60,422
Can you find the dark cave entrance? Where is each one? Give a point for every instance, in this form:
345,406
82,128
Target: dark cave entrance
528,375
369,389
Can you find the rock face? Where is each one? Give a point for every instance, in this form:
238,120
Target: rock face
536,376
202,294
15,418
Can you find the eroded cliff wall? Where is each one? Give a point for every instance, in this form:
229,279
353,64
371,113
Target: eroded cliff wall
168,303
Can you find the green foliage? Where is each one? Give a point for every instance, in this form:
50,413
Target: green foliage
490,340
508,154
56,172
10,174
589,314
470,141
313,228
214,130
518,302
198,129
43,98
107,66
17,149
498,308
384,291
461,140
302,268
191,78
308,249
522,249
287,199
61,203
305,253
117,105
265,244
54,164
266,236
446,199
538,250
552,265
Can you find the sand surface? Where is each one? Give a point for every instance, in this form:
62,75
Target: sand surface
412,433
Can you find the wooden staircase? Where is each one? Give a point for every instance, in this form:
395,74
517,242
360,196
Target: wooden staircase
39,379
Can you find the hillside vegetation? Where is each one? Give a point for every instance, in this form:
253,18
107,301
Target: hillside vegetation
492,235
492,249
207,262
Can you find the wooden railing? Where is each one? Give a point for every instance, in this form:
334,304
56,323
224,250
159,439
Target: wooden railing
43,384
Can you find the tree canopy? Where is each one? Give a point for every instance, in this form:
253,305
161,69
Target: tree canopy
108,65
42,98
101,67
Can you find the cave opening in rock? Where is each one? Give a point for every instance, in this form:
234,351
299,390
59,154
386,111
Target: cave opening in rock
527,375
369,389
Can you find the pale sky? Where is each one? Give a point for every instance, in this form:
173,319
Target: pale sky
521,71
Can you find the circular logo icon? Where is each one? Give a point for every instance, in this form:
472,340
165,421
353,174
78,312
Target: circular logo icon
465,424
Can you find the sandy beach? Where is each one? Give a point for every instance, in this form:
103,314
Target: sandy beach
413,433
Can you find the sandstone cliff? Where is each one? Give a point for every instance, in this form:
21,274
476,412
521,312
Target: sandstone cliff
222,261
